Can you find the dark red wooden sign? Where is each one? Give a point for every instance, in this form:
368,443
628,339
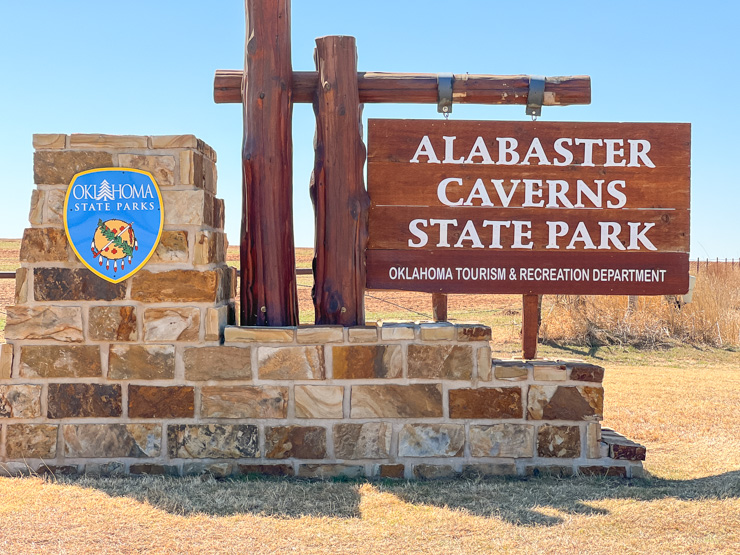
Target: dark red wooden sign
528,207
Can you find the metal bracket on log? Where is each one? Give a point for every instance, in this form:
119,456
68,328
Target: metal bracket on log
536,96
444,93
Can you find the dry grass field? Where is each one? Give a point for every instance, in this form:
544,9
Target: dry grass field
681,400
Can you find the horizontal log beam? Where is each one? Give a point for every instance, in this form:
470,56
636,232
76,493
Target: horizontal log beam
421,88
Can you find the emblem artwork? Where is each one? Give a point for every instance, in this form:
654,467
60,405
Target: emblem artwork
113,218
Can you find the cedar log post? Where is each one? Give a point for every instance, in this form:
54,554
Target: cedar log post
439,307
530,325
268,283
337,187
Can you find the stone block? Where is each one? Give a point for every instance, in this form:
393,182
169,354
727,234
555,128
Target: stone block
593,440
6,360
112,323
161,402
495,402
446,362
621,448
174,141
439,331
217,470
510,371
484,363
586,373
599,470
112,440
210,178
330,471
141,362
291,363
57,469
266,470
59,167
554,402
184,208
83,400
235,334
172,248
396,401
488,470
473,332
218,363
96,140
31,441
559,441
44,244
215,322
502,440
397,332
295,442
210,248
153,470
363,334
54,207
431,440
352,362
320,334
46,141
21,285
549,372
56,323
15,469
171,324
60,361
74,284
36,212
162,167
219,213
371,440
187,168
318,401
553,471
244,402
212,441
178,286
391,471
434,472
105,470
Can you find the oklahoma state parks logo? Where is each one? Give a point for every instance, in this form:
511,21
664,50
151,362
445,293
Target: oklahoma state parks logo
113,219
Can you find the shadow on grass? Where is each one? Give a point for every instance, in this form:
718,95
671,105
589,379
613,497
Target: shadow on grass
523,502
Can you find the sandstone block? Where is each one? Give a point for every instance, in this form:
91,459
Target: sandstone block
178,286
47,244
484,363
141,362
54,207
555,402
320,334
6,360
244,402
297,442
621,448
363,334
559,441
36,212
112,323
395,332
112,440
235,334
473,332
216,320
440,331
593,440
43,141
320,401
210,178
495,402
63,361
598,470
510,371
217,470
396,401
57,323
172,247
171,324
266,469
586,373
218,363
362,441
212,441
59,167
105,469
488,470
161,167
161,402
502,440
431,440
328,471
184,207
555,471
174,141
21,285
434,472
96,140
187,168
210,248
153,470
550,373
391,471
31,441
57,469
82,400
74,284
291,363
219,213
447,362
351,362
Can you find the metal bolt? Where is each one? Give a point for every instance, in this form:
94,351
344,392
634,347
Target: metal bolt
344,310
263,309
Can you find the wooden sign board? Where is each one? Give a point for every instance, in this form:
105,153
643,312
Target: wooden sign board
529,207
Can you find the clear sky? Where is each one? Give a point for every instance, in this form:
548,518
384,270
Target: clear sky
146,68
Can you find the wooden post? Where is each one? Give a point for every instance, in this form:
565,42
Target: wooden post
268,283
530,325
338,188
439,307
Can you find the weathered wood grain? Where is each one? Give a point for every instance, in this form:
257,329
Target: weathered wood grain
530,325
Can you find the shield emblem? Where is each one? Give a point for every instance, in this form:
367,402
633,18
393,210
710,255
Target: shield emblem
113,218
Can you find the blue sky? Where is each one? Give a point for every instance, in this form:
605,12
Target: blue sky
146,68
